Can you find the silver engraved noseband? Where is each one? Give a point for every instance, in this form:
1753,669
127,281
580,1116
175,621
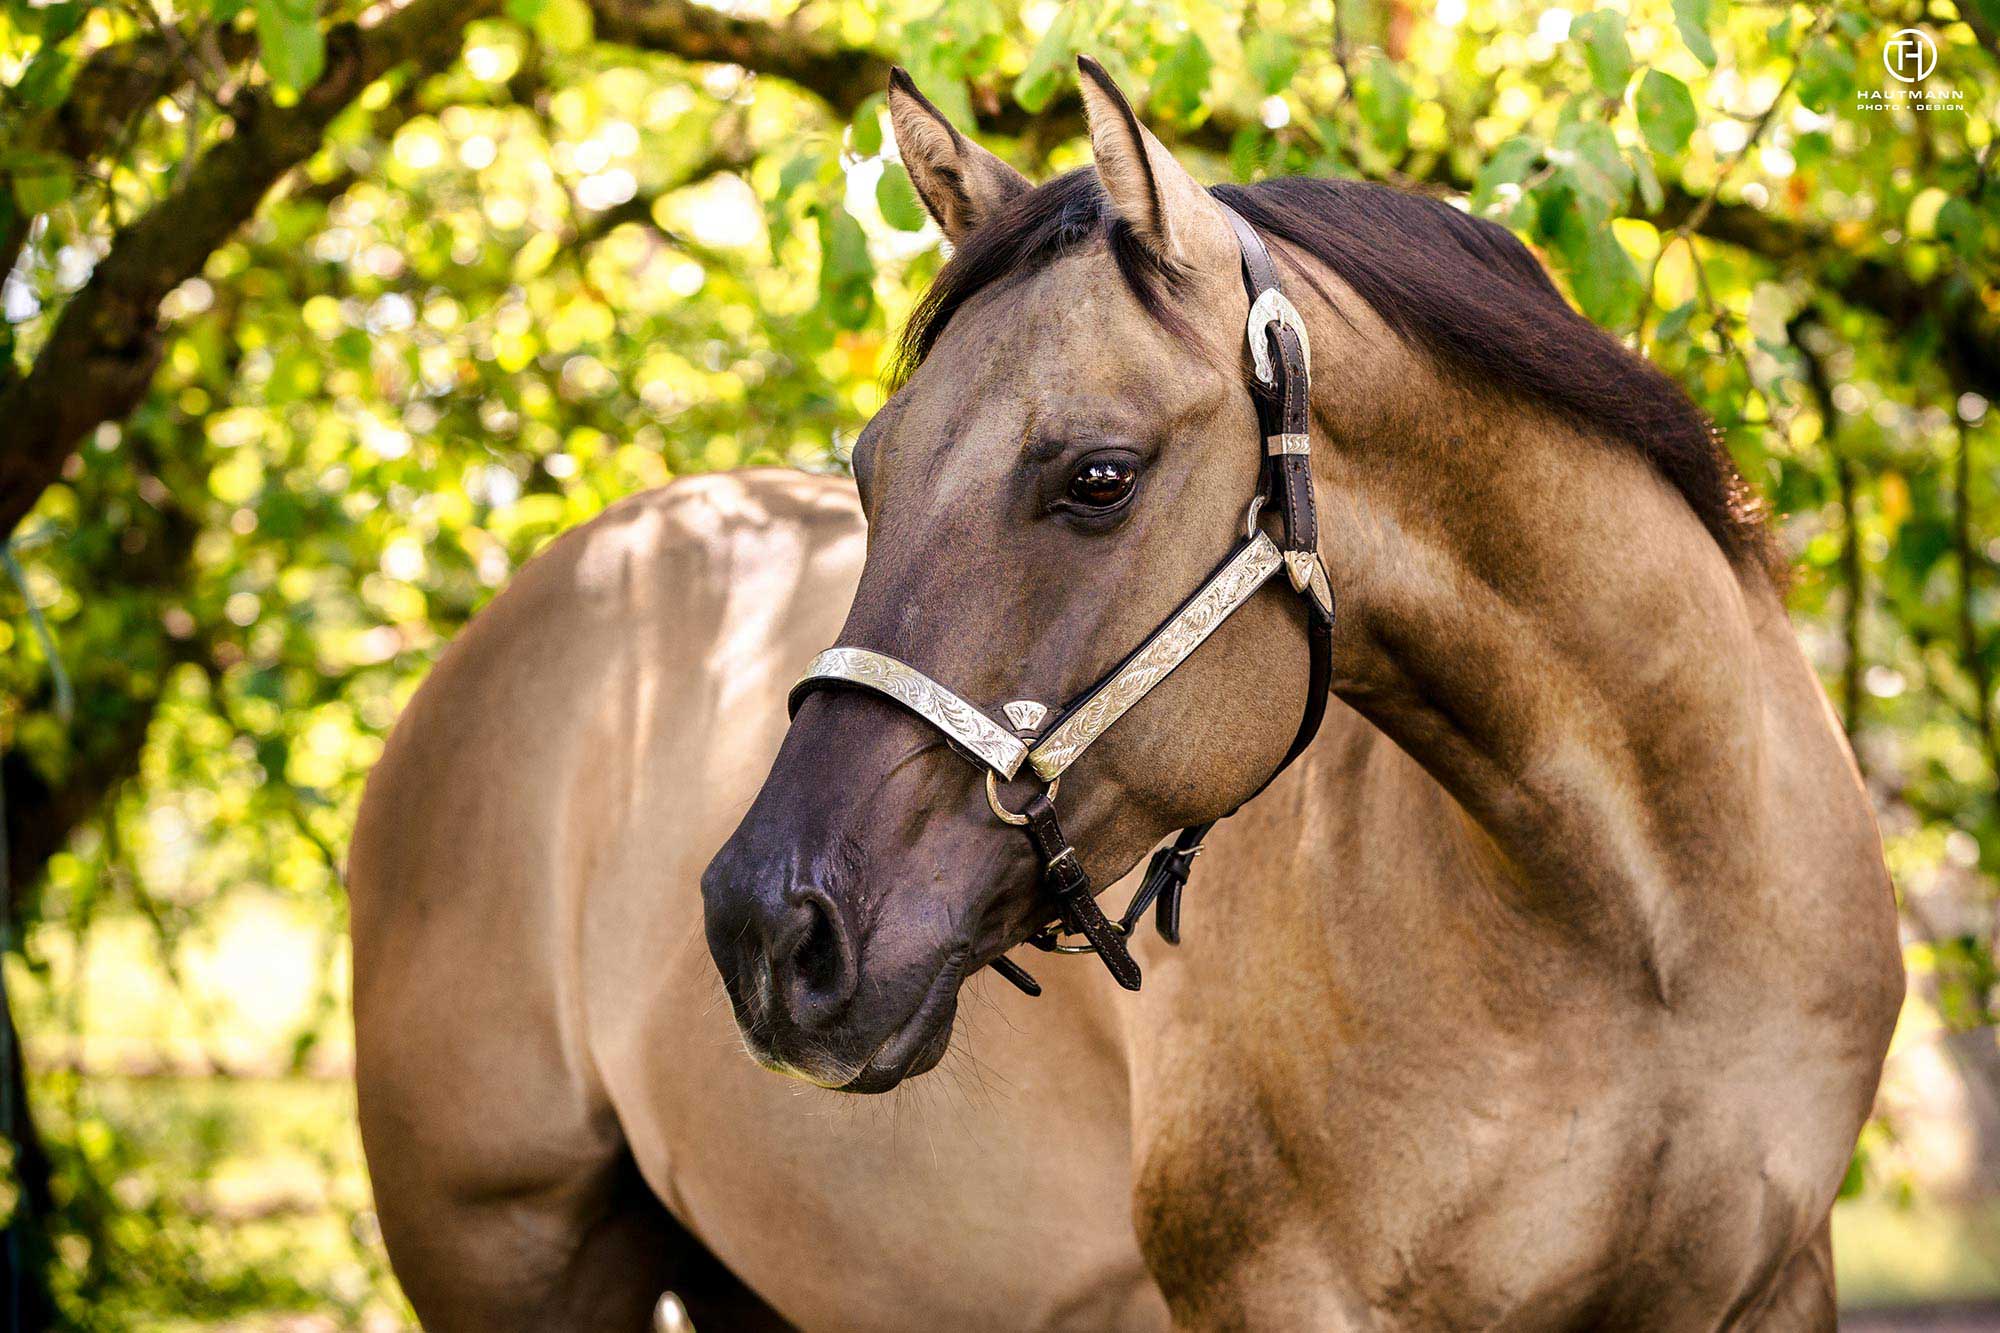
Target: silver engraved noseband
993,745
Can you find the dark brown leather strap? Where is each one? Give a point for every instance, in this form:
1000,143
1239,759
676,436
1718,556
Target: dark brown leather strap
1284,416
1166,876
1063,873
1283,409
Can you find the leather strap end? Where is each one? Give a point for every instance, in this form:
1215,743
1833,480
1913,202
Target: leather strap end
1021,978
1167,912
1107,939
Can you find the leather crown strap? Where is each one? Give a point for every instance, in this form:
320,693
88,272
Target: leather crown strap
1280,360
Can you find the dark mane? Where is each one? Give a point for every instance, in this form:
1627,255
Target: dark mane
1460,288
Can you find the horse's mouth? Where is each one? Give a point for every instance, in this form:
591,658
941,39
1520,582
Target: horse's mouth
920,1041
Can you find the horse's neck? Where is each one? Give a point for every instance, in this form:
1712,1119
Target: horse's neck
1540,622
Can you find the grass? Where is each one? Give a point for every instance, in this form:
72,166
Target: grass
1890,1252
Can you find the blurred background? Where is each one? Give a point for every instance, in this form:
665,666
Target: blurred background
320,319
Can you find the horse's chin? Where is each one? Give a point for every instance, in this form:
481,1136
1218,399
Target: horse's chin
920,1041
917,1052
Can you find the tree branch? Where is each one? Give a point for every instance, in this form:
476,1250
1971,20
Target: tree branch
842,76
119,81
101,355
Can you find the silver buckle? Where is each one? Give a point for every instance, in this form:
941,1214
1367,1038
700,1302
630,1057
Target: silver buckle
1270,308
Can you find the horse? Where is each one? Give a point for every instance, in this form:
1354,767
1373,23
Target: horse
1548,987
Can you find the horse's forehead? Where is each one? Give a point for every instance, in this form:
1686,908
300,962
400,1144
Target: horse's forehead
1066,342
1064,316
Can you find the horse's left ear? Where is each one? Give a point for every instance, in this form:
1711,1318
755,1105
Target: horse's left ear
1166,208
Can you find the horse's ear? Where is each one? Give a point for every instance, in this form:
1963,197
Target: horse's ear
960,183
1165,206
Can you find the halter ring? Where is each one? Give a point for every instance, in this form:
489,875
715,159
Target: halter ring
1047,938
1000,811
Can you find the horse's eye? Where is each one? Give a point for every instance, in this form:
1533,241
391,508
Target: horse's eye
1101,483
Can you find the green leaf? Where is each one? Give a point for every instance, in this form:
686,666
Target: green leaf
565,25
1692,18
777,209
846,274
45,82
1046,65
1602,276
1649,180
1385,103
526,11
1674,323
1182,80
1510,164
289,39
1957,225
57,21
1602,33
38,181
1273,58
898,200
1666,111
1826,75
938,66
865,131
1596,169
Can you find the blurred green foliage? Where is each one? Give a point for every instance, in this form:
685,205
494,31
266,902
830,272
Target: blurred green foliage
619,240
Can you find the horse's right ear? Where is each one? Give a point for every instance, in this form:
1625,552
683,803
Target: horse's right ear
960,183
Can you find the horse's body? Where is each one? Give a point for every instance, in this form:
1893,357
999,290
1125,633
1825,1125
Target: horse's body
1549,989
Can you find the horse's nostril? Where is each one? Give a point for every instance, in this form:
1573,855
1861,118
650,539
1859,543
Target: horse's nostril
818,957
820,975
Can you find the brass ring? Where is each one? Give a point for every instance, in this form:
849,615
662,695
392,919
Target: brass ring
1116,929
1005,815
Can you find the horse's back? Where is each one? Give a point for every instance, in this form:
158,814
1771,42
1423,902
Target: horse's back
533,993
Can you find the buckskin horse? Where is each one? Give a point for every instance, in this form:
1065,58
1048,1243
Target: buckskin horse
1547,988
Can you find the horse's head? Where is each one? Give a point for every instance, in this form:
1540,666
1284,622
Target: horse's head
1070,456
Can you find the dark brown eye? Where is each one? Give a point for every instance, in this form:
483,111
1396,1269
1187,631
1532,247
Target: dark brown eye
1102,483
